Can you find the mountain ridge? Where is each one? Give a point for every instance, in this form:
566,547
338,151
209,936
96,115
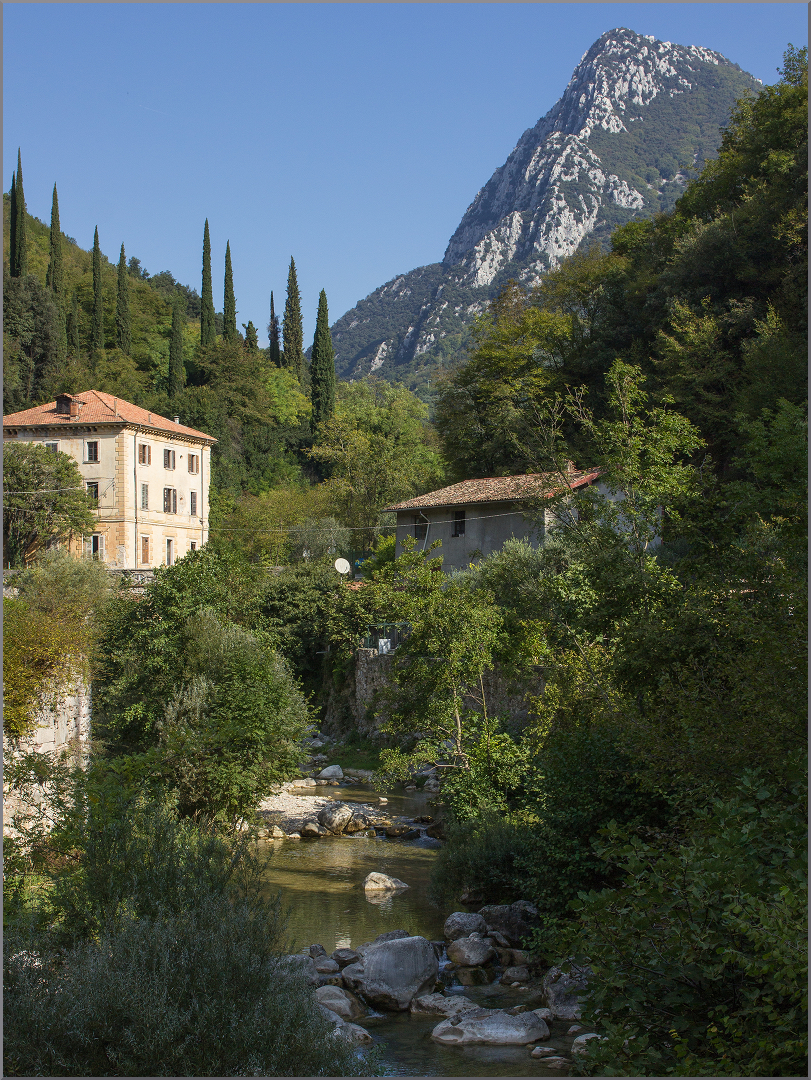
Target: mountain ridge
635,118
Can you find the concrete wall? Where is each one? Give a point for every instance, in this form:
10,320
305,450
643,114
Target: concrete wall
63,723
487,526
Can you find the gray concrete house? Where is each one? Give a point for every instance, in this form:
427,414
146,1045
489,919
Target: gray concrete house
475,517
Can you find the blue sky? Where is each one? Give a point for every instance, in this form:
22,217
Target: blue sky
351,136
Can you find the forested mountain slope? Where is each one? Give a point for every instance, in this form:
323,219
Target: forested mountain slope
637,116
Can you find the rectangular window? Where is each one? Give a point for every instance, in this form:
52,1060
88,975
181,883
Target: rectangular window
92,451
193,546
168,459
458,523
194,463
193,503
94,546
170,500
92,488
144,496
170,552
420,528
144,454
52,446
144,549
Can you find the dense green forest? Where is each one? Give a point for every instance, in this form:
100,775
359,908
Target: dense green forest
652,802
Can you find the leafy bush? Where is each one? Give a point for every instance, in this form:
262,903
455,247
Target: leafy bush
480,859
156,953
699,957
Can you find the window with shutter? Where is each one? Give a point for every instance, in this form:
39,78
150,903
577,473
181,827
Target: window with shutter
93,490
144,549
193,504
144,454
168,459
92,451
194,463
167,500
144,496
174,501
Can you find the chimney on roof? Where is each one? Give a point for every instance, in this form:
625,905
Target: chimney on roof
176,419
74,408
570,467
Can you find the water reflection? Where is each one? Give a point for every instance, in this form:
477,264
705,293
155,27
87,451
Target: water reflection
321,882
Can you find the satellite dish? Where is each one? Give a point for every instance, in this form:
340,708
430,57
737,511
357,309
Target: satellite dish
342,566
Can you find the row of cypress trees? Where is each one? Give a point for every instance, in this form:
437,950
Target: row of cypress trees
291,333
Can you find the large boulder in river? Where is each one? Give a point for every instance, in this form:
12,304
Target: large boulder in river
341,1001
332,772
382,883
563,991
391,974
344,957
304,964
494,1027
471,952
463,924
514,921
334,817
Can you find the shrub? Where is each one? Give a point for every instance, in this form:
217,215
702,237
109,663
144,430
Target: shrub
699,957
200,992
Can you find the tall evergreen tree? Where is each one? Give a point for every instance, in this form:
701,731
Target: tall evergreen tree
274,334
229,303
55,279
251,337
322,368
292,327
208,327
123,324
97,325
73,329
12,247
20,237
177,371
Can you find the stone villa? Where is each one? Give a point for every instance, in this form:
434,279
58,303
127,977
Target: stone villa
148,475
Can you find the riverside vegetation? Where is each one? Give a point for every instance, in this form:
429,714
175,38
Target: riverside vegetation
651,806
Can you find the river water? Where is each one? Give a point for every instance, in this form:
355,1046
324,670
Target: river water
321,886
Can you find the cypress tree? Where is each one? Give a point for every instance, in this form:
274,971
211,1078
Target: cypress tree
251,337
229,304
73,328
208,329
12,247
292,327
322,368
97,325
55,279
20,238
274,349
123,325
177,372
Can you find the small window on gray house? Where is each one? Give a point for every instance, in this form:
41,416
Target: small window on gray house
92,451
52,446
420,528
458,523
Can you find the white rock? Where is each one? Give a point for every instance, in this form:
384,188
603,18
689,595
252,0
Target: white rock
579,1044
332,772
463,924
493,1027
375,882
470,952
440,1005
392,973
340,1001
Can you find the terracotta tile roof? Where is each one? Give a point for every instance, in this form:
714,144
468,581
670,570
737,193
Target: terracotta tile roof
99,408
496,489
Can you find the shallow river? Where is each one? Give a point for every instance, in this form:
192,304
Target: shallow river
320,883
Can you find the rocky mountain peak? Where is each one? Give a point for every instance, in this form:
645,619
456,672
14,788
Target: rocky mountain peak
636,117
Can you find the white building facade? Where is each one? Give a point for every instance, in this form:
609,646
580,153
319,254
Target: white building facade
148,475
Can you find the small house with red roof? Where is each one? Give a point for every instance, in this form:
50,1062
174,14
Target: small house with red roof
475,517
148,475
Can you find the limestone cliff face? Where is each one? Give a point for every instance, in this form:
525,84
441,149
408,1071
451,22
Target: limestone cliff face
637,115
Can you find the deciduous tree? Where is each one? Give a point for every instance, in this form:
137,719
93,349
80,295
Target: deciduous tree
177,370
